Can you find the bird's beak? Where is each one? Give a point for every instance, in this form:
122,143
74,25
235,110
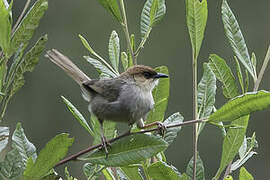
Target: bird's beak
161,75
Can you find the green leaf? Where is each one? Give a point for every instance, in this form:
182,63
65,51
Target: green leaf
30,22
11,167
246,81
91,171
254,63
114,50
239,74
224,74
152,13
229,177
163,171
235,37
52,175
160,95
20,142
196,14
132,172
28,63
78,116
4,133
101,68
86,45
68,176
241,106
108,174
128,150
112,7
245,175
52,153
232,142
171,133
5,30
124,60
184,176
199,169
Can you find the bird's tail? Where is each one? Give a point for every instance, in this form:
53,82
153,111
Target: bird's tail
67,65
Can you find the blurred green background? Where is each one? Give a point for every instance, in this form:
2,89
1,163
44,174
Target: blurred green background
39,107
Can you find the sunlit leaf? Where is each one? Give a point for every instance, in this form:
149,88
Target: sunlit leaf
30,22
232,142
171,133
101,68
79,117
224,74
128,150
112,7
199,169
4,133
86,44
114,50
52,153
20,142
245,175
152,13
160,95
235,37
241,105
5,30
196,15
184,177
162,171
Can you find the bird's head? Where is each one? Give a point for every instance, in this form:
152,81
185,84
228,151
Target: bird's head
144,76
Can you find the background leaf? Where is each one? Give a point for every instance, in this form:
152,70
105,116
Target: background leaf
4,133
235,37
30,22
128,150
20,142
112,7
162,171
114,50
241,105
5,30
91,171
232,142
124,60
196,15
132,172
160,95
52,153
224,74
245,175
199,169
152,13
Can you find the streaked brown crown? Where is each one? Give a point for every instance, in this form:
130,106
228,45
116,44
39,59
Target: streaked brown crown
139,69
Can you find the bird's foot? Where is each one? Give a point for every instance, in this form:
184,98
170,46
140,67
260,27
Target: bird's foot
161,128
105,145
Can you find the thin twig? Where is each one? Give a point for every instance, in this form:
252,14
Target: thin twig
141,45
91,148
20,17
265,63
228,170
125,29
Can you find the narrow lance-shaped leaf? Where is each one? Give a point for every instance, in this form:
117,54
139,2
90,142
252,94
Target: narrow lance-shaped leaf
160,95
152,13
20,142
206,93
124,60
241,106
4,133
128,150
101,68
25,30
112,7
199,169
162,171
79,117
245,175
196,15
239,74
28,63
52,153
114,50
5,30
224,74
235,37
232,142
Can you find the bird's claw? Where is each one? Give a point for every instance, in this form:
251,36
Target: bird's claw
161,129
105,145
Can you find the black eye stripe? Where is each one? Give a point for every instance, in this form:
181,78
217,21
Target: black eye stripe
148,75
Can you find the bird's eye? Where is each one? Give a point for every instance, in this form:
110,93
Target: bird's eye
147,75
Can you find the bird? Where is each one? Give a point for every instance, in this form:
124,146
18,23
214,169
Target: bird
126,98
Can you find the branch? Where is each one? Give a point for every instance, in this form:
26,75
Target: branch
91,148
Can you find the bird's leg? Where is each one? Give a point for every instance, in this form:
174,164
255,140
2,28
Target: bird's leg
160,125
104,141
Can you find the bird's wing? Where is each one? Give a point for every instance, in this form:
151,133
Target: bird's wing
108,88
